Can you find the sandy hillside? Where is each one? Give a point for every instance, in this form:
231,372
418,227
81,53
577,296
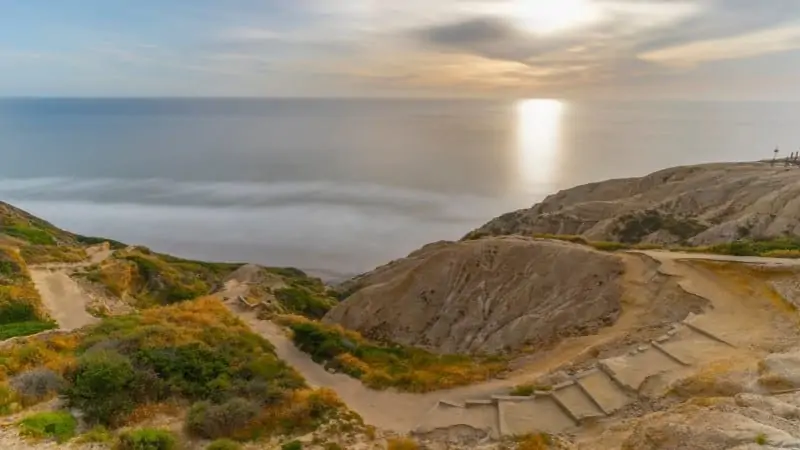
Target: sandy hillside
492,295
699,204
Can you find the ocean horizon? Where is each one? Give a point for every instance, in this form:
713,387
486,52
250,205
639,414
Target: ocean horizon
341,185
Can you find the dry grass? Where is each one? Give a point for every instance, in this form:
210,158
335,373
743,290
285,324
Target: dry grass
402,444
539,441
149,411
48,254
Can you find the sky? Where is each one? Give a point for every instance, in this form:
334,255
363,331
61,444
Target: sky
593,49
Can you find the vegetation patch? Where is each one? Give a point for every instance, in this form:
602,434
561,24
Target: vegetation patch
224,444
58,425
97,435
632,228
304,300
153,279
147,439
381,366
21,311
48,254
32,235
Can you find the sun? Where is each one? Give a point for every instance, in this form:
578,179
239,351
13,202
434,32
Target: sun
549,16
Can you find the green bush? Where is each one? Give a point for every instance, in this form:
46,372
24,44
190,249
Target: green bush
318,342
103,385
224,444
9,268
147,439
189,370
301,301
294,445
59,425
15,311
211,421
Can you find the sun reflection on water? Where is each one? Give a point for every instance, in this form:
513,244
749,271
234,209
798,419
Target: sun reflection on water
539,142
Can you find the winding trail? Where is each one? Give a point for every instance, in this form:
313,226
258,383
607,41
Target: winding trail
63,298
735,326
614,383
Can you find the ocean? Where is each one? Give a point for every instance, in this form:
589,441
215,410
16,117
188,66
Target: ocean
340,186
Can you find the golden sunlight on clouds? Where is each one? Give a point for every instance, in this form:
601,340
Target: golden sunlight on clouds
461,73
736,47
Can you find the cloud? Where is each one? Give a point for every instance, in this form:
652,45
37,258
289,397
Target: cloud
250,34
735,47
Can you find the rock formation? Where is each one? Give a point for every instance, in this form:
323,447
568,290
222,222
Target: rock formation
697,205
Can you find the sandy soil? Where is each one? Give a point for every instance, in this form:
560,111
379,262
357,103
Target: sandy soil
63,298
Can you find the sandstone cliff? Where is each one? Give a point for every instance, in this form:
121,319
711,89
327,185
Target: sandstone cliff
697,205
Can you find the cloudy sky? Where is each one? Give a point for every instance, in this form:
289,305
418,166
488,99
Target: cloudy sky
631,49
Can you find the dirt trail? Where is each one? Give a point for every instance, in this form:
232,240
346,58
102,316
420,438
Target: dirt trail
63,298
404,412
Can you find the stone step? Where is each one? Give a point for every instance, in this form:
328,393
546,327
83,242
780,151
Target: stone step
579,405
538,414
603,391
632,370
481,416
694,347
697,325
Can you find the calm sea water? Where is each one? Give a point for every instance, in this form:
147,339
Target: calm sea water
341,185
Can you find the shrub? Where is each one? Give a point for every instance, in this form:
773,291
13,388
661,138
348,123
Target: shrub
188,369
146,439
97,435
301,301
217,421
37,385
761,439
103,386
294,445
59,425
224,444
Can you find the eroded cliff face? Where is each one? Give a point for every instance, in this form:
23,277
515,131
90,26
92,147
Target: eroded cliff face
698,205
486,296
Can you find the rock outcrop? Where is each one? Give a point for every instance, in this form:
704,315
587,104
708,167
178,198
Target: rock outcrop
486,296
699,205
